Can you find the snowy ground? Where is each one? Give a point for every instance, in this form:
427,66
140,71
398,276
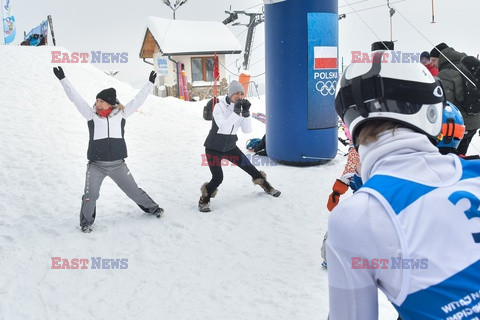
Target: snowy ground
252,257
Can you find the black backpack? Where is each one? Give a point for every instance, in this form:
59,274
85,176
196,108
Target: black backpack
470,66
208,109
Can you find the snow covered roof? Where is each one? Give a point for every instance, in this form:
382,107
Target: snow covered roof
185,37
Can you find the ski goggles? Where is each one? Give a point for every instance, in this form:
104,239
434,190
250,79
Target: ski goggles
376,94
451,130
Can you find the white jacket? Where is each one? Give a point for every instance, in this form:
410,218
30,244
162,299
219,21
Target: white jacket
225,125
410,213
107,141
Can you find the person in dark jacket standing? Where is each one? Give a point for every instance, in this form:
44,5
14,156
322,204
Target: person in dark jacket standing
106,148
453,84
230,114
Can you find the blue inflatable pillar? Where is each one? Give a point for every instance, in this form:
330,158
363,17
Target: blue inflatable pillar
301,64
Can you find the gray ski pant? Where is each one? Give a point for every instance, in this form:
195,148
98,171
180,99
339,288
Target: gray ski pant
120,174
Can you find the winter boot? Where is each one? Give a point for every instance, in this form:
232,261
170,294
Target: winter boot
262,181
158,213
204,202
86,229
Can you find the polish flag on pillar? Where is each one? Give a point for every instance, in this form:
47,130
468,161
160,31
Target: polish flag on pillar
325,58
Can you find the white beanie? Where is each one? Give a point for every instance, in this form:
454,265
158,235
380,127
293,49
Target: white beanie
235,87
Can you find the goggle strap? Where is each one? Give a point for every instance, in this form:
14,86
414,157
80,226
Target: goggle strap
361,90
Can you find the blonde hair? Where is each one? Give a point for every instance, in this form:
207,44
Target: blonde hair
370,131
119,106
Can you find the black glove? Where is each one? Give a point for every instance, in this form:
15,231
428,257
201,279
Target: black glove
237,108
152,77
246,105
59,73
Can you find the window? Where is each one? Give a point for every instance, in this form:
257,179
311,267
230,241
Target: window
202,69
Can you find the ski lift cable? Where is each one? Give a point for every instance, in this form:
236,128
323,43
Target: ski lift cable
261,44
243,32
236,74
259,60
233,73
260,4
258,75
253,50
374,7
232,51
364,22
353,3
238,35
237,38
424,37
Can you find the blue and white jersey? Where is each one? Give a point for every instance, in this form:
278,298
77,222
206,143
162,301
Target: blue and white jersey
438,231
412,231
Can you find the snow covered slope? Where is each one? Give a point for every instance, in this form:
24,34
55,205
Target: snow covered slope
252,257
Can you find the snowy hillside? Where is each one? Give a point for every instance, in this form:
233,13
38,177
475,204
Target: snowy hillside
252,257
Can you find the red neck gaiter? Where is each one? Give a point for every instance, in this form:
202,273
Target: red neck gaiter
105,112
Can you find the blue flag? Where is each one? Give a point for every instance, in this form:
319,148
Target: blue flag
9,29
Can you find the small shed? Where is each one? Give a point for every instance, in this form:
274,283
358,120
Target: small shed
193,44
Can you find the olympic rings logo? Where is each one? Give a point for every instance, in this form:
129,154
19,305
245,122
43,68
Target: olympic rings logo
326,87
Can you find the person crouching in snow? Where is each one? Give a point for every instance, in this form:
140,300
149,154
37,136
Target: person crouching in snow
106,148
230,114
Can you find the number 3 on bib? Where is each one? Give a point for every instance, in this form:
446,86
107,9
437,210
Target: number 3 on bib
472,212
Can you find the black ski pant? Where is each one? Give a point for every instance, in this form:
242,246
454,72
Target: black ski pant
217,159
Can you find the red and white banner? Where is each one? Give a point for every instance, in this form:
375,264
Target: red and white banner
325,58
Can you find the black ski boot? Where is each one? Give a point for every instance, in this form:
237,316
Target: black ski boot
204,201
158,213
87,229
262,182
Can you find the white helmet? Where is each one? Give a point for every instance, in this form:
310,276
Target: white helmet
386,88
